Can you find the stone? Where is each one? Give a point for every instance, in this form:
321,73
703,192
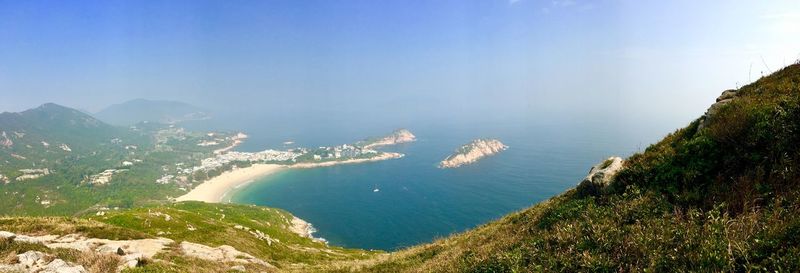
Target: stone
7,235
109,249
223,253
30,258
726,97
60,266
600,176
727,94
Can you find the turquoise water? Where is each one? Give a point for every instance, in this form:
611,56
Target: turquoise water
418,202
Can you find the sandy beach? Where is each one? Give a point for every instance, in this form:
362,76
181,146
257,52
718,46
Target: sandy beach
215,189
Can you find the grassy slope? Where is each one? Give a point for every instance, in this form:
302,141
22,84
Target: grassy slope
66,188
289,252
724,198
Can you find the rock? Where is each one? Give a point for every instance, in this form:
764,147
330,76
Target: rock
726,97
727,94
239,268
111,249
12,268
30,258
131,260
600,176
60,266
7,235
223,253
27,239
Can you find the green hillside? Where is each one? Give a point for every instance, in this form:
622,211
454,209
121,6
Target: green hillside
261,232
49,156
718,195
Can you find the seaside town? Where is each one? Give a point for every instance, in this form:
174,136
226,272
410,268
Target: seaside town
225,158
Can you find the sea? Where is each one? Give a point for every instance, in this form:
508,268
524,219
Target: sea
392,204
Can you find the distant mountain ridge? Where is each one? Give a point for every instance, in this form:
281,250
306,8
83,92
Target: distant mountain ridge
52,123
161,111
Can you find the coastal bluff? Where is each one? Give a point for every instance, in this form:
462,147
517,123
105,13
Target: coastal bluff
472,152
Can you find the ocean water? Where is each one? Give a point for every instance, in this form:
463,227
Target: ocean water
417,202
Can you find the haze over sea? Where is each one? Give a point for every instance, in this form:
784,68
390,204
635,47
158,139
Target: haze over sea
416,201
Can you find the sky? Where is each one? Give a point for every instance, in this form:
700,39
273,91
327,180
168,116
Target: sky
643,61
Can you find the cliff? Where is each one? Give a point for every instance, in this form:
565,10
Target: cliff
472,152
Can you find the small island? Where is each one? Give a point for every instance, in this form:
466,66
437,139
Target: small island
472,152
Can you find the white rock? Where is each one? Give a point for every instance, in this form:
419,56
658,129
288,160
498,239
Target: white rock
60,266
7,235
601,175
30,258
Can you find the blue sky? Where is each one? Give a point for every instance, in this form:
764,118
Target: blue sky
640,60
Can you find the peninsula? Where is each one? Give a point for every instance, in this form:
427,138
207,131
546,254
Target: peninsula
472,152
397,137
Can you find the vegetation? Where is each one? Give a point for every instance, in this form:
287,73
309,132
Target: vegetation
213,225
92,147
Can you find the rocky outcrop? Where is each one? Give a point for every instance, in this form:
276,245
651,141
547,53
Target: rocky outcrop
397,137
130,252
35,261
223,254
601,175
472,152
726,97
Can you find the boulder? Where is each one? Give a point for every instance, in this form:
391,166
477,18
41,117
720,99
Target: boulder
7,235
600,176
60,266
30,258
726,97
223,253
727,94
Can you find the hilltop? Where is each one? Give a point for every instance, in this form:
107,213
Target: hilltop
140,110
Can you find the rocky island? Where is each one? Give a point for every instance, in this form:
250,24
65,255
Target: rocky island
472,152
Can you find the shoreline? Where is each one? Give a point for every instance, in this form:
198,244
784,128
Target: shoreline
217,189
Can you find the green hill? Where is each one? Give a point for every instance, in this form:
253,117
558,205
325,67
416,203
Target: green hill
51,155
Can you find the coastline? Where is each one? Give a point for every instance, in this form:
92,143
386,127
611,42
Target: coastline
216,189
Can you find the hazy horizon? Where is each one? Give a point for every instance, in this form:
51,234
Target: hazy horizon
396,60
